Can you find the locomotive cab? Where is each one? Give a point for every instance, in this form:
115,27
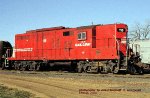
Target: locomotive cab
122,43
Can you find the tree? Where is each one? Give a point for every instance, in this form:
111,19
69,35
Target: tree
146,30
136,32
140,31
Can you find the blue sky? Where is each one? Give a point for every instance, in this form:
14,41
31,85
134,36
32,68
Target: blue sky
17,16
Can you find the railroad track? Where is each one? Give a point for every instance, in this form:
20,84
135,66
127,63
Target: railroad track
72,75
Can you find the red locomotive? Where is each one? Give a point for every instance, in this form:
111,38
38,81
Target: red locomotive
95,48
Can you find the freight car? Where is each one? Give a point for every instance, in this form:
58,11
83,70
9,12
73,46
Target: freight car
95,48
142,48
4,46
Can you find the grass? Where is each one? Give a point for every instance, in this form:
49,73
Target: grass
6,92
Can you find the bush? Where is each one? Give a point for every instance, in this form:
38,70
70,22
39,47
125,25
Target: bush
6,92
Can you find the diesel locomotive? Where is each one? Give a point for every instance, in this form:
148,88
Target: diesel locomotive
96,48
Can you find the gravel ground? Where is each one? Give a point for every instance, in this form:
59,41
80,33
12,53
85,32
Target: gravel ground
78,85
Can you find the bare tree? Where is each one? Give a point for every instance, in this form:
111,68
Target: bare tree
136,32
146,30
140,31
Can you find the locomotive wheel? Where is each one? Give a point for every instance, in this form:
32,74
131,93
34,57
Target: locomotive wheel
16,67
24,67
116,70
34,67
97,70
80,69
133,70
38,67
21,68
140,71
104,70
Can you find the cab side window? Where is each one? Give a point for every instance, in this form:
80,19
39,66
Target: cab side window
67,33
82,36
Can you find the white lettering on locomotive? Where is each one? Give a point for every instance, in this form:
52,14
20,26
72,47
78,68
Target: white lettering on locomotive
83,43
23,49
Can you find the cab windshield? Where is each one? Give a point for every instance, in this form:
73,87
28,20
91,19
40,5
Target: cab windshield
121,29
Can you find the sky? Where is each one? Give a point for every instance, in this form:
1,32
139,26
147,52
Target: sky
19,16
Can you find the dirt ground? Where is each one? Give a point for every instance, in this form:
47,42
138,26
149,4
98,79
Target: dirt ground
74,85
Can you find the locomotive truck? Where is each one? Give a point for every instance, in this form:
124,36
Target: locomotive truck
95,48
